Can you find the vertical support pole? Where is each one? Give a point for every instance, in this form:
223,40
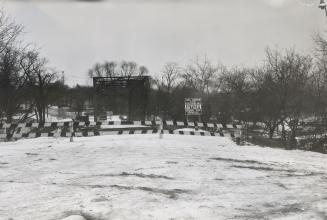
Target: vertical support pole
238,135
244,133
95,101
6,133
160,130
71,131
246,130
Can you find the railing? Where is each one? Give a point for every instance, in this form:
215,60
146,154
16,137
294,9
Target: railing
79,129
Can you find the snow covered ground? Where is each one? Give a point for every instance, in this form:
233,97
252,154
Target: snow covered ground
142,177
122,126
190,129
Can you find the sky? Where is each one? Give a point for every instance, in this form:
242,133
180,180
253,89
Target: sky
74,35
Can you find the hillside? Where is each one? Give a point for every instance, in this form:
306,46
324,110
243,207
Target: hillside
142,177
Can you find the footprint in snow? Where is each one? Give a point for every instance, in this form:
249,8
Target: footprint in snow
31,154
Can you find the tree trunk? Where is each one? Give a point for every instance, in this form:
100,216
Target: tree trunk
283,134
271,132
37,116
293,142
43,112
40,115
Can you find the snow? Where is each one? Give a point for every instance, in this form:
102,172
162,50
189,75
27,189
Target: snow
51,118
122,126
74,217
109,118
144,177
191,129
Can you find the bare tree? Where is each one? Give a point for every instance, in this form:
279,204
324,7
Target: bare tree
299,68
107,69
236,80
9,31
281,90
238,85
128,69
319,78
13,81
112,69
201,75
170,75
166,84
40,79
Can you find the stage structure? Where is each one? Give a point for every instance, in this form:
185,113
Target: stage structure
122,96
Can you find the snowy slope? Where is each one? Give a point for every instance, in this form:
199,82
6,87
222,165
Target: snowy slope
142,177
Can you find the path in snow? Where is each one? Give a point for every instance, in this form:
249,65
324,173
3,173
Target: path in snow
142,177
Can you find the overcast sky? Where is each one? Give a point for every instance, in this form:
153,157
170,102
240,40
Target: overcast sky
74,35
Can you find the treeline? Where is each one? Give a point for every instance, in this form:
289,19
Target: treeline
27,84
287,88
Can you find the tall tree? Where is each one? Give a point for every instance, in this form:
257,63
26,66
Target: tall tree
9,31
41,78
112,69
13,81
281,88
237,84
169,78
201,75
319,78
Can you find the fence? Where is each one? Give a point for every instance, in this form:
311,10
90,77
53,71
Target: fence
86,129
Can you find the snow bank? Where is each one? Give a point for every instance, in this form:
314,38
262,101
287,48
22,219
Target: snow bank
191,129
74,217
143,177
122,126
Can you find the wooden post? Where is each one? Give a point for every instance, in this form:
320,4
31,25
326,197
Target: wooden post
160,130
71,131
